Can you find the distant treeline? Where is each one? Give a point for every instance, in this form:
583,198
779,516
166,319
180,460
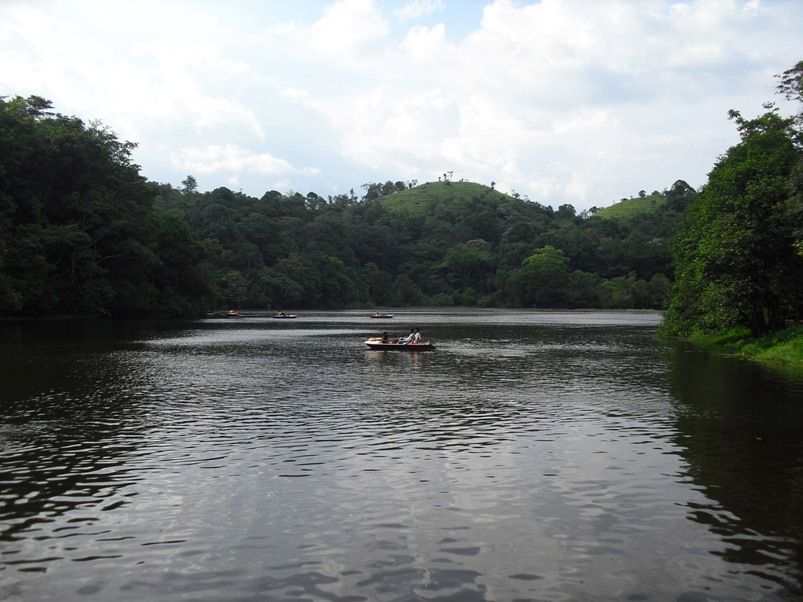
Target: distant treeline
437,244
83,233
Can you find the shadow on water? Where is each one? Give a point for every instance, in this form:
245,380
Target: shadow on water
740,425
68,425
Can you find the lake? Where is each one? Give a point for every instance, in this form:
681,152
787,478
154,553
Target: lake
531,456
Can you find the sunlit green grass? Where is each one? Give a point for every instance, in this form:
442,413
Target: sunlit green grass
780,348
628,208
785,347
423,197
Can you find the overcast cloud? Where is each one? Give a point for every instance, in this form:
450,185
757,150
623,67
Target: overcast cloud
574,101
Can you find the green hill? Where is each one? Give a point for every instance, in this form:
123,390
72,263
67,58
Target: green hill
629,208
435,197
674,200
425,198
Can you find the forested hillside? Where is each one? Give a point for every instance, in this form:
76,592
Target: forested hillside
83,233
440,243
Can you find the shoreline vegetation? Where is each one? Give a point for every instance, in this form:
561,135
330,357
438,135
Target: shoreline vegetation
738,251
84,233
783,348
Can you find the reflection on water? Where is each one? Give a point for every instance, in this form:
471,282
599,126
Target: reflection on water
741,427
533,456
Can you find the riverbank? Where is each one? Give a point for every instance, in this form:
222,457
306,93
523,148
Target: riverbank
783,348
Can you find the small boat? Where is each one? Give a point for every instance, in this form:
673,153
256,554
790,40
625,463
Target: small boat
233,313
377,344
378,314
283,316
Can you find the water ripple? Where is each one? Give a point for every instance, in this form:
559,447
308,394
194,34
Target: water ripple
250,461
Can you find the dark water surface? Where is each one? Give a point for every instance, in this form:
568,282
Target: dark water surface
532,456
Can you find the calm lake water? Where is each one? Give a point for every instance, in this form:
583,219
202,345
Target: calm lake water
531,456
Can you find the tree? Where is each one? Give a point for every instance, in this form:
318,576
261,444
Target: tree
791,87
736,258
189,185
79,229
468,265
679,196
235,288
542,280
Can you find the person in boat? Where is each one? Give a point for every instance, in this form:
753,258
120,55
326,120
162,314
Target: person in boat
385,337
416,337
408,338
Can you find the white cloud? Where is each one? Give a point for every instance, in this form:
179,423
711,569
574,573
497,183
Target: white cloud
350,27
585,120
426,45
579,102
418,8
231,158
301,97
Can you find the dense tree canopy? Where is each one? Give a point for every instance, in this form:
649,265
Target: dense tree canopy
83,233
440,243
78,227
738,253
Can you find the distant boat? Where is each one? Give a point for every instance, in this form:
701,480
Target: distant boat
377,344
283,316
233,313
379,314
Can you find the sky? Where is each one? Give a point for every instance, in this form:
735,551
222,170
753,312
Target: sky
579,102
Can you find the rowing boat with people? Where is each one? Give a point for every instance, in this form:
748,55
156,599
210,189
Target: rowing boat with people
379,344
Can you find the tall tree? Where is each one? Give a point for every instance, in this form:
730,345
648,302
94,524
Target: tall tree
77,220
737,259
189,185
